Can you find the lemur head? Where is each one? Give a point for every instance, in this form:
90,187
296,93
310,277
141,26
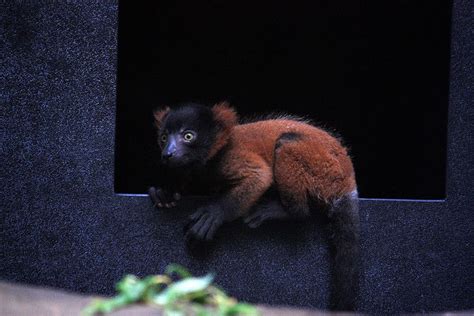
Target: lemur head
190,134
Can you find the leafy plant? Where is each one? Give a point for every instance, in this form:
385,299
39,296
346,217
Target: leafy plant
188,295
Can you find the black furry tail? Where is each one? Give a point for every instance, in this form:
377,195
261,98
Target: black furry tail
345,252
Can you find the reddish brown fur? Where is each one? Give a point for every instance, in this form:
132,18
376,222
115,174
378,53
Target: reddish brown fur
160,115
226,118
315,165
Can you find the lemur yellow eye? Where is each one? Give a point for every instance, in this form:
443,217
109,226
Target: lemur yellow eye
164,138
188,136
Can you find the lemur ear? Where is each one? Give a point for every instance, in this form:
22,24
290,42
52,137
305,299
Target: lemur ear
160,115
226,118
225,115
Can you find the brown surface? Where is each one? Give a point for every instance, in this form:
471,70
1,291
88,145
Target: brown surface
16,300
23,300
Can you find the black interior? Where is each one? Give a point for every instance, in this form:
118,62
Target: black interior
377,74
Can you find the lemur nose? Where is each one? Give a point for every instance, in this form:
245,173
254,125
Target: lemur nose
167,155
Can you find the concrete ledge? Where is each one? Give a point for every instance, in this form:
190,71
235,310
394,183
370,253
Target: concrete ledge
21,300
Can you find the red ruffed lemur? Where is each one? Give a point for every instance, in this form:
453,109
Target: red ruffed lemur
302,167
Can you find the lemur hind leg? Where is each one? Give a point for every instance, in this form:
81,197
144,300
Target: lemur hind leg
267,209
288,196
293,175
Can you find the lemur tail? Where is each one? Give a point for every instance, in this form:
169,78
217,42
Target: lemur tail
345,252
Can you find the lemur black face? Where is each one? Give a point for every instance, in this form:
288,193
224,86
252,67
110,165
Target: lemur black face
186,135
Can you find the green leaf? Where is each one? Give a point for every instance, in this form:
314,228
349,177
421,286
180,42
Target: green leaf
241,309
154,284
92,308
202,311
132,288
181,271
126,282
106,306
193,295
182,288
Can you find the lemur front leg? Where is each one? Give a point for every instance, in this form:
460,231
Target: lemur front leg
254,180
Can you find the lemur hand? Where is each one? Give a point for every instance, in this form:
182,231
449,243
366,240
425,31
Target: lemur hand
163,198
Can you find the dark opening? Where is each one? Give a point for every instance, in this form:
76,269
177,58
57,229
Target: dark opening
376,73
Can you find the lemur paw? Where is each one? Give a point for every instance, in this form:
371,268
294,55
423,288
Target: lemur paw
256,219
163,198
204,223
267,211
